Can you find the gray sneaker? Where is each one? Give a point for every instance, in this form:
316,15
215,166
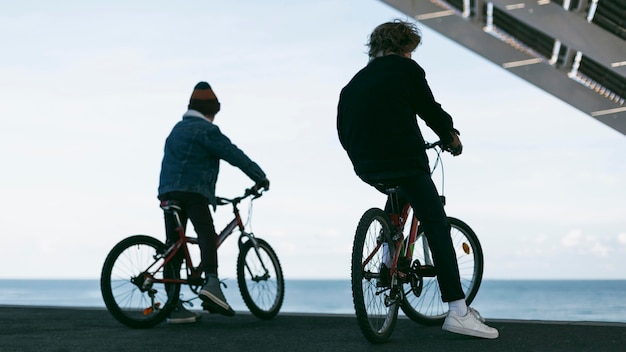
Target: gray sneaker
180,315
213,299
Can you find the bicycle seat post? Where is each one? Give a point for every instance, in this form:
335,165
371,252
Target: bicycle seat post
174,208
394,212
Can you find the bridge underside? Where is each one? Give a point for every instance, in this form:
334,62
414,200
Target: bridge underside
574,50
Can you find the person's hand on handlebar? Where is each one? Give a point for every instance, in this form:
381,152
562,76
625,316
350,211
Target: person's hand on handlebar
454,147
263,184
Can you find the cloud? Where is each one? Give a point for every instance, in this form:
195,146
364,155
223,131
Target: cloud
572,239
590,244
600,249
621,238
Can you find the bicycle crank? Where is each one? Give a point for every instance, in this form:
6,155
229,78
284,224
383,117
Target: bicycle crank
418,272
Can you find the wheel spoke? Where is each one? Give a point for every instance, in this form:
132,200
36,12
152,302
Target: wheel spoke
428,308
260,279
127,295
376,310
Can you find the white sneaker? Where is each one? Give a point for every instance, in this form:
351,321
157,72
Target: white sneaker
469,324
475,312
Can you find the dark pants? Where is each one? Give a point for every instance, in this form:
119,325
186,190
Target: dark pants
421,193
195,208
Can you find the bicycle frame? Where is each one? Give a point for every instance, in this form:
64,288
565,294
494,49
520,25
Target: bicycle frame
194,272
398,221
404,246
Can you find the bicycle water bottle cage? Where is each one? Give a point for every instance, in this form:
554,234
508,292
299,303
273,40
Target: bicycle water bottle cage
171,205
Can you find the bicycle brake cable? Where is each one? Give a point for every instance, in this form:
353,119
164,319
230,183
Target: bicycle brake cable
248,223
438,161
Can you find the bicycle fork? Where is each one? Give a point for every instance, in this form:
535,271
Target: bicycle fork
255,245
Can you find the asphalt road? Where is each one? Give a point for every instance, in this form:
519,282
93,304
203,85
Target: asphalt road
25,328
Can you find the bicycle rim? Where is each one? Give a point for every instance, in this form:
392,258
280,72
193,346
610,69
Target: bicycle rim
260,279
375,315
428,309
128,293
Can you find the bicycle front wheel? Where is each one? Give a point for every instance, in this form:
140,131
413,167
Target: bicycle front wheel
260,279
376,308
128,284
426,307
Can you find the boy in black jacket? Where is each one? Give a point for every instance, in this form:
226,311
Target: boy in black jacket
378,128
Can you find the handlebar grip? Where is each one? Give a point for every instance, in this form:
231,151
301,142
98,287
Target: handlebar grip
433,145
221,201
253,191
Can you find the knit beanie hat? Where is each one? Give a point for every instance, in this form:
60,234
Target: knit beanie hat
204,100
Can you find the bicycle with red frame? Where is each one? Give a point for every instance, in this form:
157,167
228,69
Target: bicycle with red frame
141,281
391,271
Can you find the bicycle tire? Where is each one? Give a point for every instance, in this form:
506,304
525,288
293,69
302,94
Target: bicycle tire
260,279
428,309
120,283
375,316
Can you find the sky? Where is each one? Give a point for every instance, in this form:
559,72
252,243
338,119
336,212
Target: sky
90,90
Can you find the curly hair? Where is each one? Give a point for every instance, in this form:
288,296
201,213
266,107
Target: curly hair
396,37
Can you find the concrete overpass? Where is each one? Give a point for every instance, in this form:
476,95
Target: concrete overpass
572,49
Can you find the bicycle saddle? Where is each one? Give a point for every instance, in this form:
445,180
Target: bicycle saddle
385,187
169,205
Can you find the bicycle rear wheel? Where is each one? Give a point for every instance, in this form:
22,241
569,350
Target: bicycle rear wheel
128,290
427,307
260,279
376,311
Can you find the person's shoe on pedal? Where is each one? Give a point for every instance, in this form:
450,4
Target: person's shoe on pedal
384,277
469,324
213,299
180,315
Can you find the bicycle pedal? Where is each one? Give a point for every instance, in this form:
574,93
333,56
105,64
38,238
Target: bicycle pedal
384,279
426,271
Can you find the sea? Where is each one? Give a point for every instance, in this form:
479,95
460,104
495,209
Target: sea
548,300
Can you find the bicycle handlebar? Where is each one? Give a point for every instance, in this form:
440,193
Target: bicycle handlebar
445,148
429,145
255,191
252,191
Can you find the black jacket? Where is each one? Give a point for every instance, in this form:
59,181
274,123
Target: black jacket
376,119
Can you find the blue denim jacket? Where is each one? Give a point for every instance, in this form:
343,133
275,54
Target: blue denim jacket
191,159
